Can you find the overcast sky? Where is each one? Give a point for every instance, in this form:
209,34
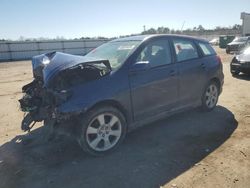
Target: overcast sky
110,18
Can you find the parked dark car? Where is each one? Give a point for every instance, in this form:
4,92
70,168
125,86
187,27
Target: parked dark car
121,85
241,63
238,44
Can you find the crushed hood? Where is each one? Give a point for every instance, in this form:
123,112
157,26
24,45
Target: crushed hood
48,65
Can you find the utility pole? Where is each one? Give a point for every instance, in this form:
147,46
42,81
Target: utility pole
144,28
183,25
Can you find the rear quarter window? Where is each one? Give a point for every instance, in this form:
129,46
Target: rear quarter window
207,49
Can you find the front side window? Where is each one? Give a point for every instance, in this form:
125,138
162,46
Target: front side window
156,53
185,50
116,52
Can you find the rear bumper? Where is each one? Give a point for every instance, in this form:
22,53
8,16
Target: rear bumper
234,48
231,49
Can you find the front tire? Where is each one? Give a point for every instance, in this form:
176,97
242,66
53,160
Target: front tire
210,96
102,130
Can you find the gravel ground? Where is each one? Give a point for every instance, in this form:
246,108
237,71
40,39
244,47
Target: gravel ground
191,149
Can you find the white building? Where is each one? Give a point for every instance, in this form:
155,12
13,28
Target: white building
245,23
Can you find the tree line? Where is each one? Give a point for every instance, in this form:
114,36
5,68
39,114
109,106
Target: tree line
236,29
199,30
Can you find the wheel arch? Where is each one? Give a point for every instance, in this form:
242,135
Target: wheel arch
114,104
217,81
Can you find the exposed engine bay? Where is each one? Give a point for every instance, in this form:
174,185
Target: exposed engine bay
54,76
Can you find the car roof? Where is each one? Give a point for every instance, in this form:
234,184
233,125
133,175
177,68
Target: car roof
145,37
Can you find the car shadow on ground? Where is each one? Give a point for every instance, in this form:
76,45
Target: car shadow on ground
243,77
149,157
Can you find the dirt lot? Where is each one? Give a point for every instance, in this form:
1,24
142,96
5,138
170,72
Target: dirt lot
191,149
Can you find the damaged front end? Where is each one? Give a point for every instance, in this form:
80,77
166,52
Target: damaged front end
54,75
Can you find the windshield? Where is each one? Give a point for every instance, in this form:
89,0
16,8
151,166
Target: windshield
240,39
116,52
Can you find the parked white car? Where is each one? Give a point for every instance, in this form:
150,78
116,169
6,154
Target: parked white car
214,41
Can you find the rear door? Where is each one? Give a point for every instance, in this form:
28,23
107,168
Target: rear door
155,89
192,71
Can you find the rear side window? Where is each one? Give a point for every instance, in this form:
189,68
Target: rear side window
207,49
185,50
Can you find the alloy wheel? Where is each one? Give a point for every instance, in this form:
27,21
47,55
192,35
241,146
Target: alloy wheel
211,96
103,132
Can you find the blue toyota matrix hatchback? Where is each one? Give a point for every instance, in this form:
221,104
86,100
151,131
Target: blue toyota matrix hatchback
121,85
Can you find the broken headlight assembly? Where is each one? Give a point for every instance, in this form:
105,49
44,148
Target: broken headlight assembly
62,96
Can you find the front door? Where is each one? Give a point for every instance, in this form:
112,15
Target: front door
155,89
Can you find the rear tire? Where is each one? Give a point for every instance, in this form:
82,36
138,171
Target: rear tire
210,96
102,130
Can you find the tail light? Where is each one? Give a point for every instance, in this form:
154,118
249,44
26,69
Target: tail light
220,62
219,59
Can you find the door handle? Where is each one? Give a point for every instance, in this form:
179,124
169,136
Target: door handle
203,65
172,73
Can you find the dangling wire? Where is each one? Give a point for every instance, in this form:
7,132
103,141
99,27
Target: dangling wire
30,127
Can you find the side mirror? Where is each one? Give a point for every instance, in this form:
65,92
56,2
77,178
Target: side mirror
140,66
